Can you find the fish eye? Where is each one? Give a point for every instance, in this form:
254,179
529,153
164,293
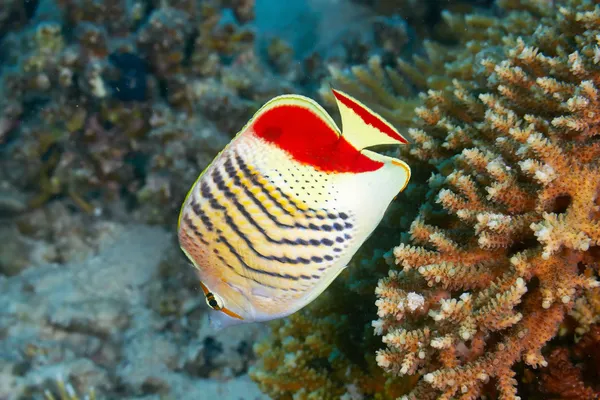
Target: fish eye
213,301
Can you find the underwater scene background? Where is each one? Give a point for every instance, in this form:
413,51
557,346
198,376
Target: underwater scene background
480,282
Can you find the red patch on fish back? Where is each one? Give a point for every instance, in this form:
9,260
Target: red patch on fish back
368,117
310,140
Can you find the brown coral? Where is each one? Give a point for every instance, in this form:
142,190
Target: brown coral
324,352
506,247
573,374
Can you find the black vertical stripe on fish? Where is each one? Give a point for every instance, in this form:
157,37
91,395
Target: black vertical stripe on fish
194,229
252,178
237,181
206,191
285,289
207,219
218,181
207,194
231,171
248,174
243,168
201,214
263,272
220,184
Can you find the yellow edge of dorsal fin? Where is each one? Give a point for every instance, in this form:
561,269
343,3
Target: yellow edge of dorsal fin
363,127
285,99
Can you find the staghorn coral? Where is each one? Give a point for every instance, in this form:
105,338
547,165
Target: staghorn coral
386,91
391,85
424,16
506,245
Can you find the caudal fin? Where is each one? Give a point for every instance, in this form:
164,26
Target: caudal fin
363,127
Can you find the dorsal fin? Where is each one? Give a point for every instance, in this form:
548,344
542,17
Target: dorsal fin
296,101
303,129
363,127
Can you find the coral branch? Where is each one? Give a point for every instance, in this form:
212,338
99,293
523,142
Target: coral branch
506,246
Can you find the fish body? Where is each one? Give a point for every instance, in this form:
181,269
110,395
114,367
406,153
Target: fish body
282,209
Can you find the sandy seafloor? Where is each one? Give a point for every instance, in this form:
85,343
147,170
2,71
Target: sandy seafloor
91,323
119,309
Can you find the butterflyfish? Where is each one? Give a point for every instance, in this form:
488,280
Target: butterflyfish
281,210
